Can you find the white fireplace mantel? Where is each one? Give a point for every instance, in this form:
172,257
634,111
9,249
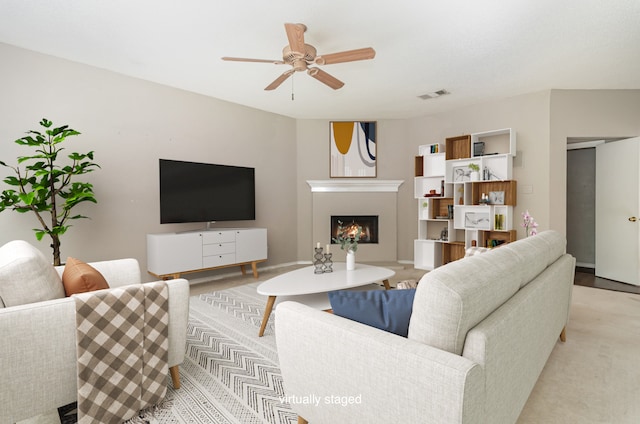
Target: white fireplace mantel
354,185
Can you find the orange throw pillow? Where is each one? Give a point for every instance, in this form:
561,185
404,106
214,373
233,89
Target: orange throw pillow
79,277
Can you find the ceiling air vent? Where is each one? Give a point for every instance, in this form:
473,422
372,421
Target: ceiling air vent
434,94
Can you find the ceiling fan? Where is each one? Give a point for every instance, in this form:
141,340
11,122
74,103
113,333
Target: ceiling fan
300,55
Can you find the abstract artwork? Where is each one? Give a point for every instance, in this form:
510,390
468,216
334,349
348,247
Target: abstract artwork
461,173
496,197
353,149
477,220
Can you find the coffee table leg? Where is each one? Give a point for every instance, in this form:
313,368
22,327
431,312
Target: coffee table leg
267,313
386,284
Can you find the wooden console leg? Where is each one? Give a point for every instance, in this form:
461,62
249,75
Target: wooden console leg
267,313
254,268
563,334
175,376
302,420
386,284
244,272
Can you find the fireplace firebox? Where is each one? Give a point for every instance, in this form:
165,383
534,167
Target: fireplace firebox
350,223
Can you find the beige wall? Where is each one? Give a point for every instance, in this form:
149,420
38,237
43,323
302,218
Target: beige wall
130,124
395,162
529,116
586,113
398,144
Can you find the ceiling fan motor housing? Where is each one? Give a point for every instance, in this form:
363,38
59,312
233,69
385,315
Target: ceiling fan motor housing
299,60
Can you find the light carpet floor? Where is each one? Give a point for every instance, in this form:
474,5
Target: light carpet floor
231,376
594,377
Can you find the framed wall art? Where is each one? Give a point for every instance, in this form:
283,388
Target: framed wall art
496,197
353,149
477,220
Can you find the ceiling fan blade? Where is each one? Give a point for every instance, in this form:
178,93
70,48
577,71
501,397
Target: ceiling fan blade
346,56
325,78
282,78
243,59
295,34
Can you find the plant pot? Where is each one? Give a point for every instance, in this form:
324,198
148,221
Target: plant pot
351,260
474,175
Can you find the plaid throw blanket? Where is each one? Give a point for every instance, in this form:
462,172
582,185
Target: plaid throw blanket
122,343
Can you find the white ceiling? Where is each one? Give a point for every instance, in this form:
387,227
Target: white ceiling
476,49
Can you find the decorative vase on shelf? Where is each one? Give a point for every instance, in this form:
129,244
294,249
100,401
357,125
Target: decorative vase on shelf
474,176
351,260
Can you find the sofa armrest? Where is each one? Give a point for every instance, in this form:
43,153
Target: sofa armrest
38,355
178,319
350,372
37,358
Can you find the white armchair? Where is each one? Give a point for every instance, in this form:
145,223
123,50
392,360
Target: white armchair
38,345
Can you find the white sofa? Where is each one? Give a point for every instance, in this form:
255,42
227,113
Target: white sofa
38,345
481,331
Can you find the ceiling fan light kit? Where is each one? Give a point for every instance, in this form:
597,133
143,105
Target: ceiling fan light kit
300,55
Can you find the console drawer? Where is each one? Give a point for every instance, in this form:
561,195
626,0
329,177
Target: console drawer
218,249
209,237
218,260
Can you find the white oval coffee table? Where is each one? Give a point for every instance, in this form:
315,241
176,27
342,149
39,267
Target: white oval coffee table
301,283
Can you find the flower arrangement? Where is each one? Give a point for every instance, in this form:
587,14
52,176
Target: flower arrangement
530,225
348,236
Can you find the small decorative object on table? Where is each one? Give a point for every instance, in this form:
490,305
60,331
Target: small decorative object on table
318,260
328,263
347,238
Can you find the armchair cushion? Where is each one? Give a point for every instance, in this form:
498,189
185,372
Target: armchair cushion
80,277
388,310
26,276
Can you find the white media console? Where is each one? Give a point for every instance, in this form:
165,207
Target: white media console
172,254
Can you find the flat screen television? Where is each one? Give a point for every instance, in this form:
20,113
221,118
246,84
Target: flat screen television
204,192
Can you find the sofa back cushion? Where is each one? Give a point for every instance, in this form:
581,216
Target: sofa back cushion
26,276
454,298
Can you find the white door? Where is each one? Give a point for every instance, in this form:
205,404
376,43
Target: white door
618,211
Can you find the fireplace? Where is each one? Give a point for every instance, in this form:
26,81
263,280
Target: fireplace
350,223
351,199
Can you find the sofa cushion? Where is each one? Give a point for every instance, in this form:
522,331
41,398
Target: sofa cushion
79,277
26,276
454,298
387,310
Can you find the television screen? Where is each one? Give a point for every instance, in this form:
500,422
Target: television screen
203,192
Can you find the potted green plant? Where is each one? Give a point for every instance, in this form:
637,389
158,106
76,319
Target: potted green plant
348,237
475,171
45,186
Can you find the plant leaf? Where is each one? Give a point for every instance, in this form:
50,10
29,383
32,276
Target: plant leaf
27,198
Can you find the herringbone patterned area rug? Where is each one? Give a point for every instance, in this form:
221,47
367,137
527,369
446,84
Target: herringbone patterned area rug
230,375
